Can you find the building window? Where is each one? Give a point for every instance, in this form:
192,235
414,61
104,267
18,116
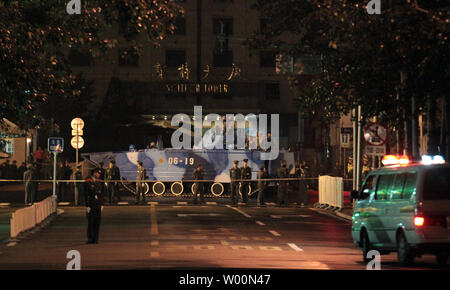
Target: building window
267,58
175,58
223,59
78,57
223,26
128,57
272,91
180,26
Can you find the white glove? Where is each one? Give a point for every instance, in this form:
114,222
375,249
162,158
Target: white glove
88,209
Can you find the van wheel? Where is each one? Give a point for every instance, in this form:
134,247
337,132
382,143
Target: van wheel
404,252
365,245
442,259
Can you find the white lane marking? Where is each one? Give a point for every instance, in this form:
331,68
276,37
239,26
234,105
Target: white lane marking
122,203
182,202
294,247
211,202
260,223
153,202
12,244
290,215
63,203
239,211
275,233
270,203
198,214
5,204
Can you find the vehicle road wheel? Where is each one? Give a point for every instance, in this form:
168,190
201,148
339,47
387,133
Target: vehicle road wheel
404,253
365,245
442,258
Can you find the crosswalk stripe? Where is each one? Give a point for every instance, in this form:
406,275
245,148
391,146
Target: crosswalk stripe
260,223
294,247
275,233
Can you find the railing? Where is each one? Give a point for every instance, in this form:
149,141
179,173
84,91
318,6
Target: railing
331,191
27,218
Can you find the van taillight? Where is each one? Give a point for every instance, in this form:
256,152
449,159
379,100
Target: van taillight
419,221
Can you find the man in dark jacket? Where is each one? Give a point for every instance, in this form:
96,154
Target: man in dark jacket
246,173
235,174
282,172
198,186
141,175
94,207
112,175
262,174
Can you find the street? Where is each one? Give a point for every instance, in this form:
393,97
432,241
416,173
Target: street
182,235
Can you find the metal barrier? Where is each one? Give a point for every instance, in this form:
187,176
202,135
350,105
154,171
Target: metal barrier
331,192
27,218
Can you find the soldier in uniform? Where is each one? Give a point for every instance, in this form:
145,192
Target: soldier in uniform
141,175
282,172
102,176
300,184
30,186
262,174
198,186
94,206
79,186
246,173
235,173
112,174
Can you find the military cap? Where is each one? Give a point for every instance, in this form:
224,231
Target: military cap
283,162
262,166
245,160
140,163
113,161
236,161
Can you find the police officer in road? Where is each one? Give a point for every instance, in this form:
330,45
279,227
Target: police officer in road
112,174
141,175
235,173
246,173
94,206
262,174
300,184
79,188
198,186
282,172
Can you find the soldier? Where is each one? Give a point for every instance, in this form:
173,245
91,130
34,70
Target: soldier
94,206
60,186
282,172
235,173
30,186
198,186
262,174
112,173
246,173
102,175
300,184
79,187
141,175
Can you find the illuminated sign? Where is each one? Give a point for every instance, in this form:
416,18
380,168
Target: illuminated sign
197,88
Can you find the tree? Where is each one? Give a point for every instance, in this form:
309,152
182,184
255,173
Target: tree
376,61
35,75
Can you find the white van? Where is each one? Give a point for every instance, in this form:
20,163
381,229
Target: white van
404,208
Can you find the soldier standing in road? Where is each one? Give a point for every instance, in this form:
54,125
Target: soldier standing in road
102,175
235,173
112,174
141,175
198,186
94,207
282,172
30,186
246,173
300,184
262,174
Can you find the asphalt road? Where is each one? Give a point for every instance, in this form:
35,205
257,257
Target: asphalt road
194,236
